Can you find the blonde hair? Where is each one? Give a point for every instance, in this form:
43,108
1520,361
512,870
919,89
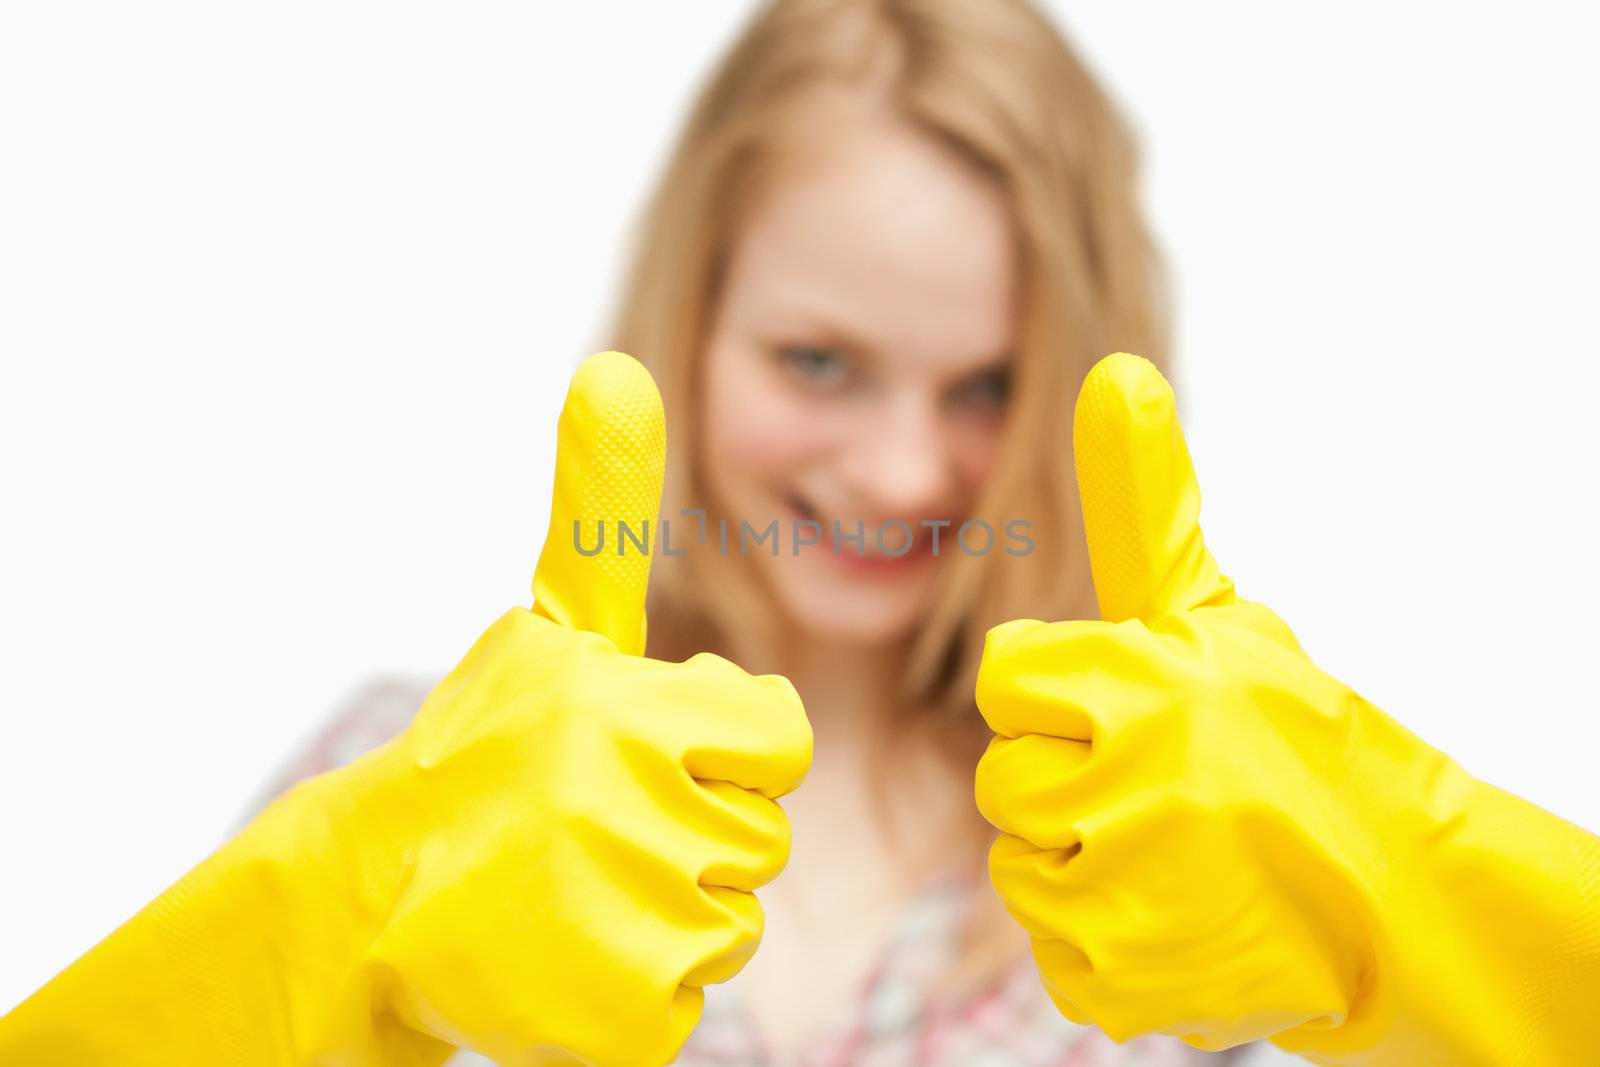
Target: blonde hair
994,79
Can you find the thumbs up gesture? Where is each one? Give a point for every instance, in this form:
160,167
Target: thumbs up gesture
1209,837
600,820
545,867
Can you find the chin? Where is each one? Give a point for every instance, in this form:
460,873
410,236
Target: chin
852,616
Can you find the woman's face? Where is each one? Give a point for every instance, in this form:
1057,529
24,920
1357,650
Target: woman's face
857,371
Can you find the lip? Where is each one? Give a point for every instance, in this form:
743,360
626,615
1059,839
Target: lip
878,565
868,563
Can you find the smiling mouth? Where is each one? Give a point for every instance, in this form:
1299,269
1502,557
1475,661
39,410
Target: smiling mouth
865,556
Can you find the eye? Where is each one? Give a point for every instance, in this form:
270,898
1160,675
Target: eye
815,366
986,392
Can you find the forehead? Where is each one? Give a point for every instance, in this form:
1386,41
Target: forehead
879,231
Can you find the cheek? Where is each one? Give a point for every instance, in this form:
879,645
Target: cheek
757,432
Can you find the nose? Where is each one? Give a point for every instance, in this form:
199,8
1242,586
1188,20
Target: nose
899,466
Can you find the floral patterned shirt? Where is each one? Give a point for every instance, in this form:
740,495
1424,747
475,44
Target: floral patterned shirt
893,1021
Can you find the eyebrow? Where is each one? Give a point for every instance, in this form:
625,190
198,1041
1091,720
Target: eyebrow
829,332
1003,362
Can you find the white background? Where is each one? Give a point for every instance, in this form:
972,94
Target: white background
289,295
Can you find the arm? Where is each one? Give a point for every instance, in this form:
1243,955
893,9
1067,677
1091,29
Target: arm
546,866
1209,837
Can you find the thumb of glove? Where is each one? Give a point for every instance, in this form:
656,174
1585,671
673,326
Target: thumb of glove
1141,502
611,447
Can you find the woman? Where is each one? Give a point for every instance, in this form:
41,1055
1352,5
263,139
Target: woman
888,245
893,240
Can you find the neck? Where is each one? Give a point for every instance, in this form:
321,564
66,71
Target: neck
850,689
885,774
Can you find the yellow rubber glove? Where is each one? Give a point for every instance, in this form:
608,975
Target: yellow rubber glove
1210,838
545,867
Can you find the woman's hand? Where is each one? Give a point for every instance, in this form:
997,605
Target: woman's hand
544,867
1209,837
